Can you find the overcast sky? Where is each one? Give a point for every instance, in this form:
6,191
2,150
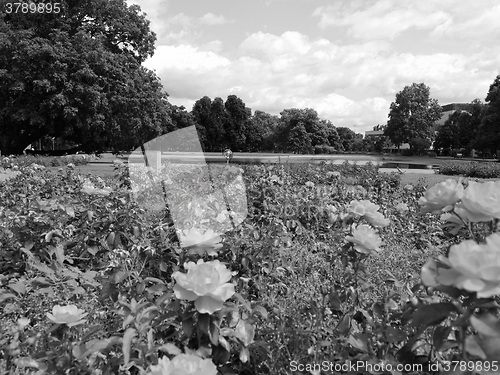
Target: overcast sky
347,59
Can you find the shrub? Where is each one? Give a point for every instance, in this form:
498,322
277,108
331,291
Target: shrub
319,149
472,169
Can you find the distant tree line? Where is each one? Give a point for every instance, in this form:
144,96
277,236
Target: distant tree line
476,128
231,124
413,116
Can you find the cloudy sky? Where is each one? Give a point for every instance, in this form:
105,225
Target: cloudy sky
347,59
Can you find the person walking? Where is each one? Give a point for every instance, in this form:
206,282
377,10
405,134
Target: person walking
228,154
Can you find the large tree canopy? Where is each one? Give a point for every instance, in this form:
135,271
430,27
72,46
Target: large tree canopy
412,115
488,136
78,75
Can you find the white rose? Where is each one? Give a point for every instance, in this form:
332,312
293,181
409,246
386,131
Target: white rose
207,284
470,266
442,196
365,239
183,364
482,200
69,315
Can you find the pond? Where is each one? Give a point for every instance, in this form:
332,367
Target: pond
249,158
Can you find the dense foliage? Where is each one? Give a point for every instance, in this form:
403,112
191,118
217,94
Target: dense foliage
78,75
474,128
473,169
325,267
412,116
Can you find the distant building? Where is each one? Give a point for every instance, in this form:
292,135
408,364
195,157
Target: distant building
373,133
448,109
392,147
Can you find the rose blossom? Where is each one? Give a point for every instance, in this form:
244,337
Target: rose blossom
183,364
363,207
442,196
368,210
482,200
69,315
364,239
470,266
197,242
377,219
205,283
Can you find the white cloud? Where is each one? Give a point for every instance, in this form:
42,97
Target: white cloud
384,19
387,19
185,58
350,85
211,19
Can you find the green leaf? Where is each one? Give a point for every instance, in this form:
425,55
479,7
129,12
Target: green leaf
119,276
429,315
70,211
260,310
395,335
441,333
188,326
359,341
334,301
92,250
92,329
99,345
214,332
5,296
170,349
59,251
204,323
19,287
245,332
129,319
130,333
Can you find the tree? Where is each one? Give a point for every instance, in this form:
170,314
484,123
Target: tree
218,124
238,116
308,118
299,140
347,137
412,115
202,115
184,119
262,132
489,131
448,135
78,75
332,135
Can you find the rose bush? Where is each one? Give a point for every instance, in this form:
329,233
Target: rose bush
207,284
183,364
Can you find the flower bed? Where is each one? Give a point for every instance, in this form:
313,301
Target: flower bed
330,265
